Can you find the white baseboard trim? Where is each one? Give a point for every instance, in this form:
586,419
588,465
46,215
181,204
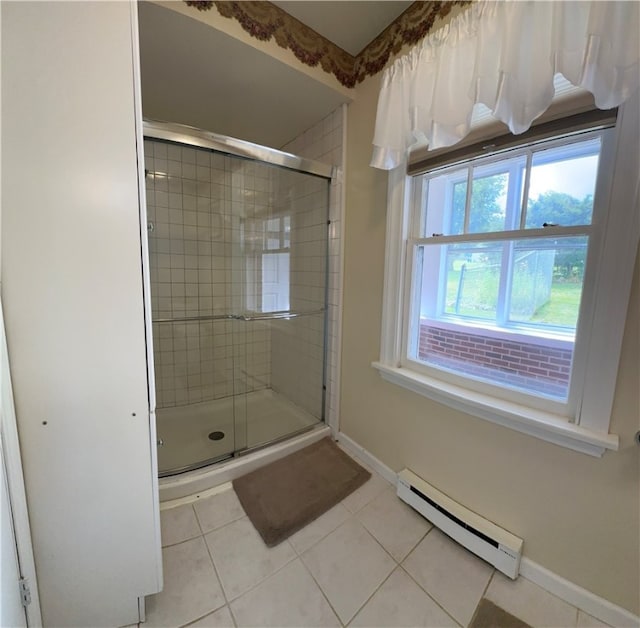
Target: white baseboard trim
575,595
368,458
571,593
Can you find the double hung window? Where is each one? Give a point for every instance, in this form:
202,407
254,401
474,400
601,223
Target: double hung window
499,249
508,272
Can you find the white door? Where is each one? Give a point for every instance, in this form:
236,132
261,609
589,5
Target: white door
12,612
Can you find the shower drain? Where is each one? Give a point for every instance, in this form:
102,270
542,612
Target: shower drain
216,435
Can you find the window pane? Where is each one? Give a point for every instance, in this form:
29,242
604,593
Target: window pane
471,274
459,200
488,209
540,366
275,282
562,185
504,312
444,203
494,204
546,284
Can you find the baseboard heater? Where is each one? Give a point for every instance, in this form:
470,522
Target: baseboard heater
480,536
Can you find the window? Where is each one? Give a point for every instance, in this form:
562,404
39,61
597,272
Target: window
267,265
499,249
508,274
275,264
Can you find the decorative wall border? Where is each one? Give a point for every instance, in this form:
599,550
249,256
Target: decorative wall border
264,20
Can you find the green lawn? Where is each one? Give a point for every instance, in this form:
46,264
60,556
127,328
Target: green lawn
562,307
560,310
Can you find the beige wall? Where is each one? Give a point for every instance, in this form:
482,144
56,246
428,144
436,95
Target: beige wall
578,515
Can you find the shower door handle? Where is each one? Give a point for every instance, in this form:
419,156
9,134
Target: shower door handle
276,315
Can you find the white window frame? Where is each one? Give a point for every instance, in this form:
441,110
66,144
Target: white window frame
506,331
596,359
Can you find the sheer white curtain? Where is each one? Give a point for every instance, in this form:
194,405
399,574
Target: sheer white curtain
504,55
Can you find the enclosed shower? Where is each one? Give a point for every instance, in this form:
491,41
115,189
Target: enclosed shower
238,266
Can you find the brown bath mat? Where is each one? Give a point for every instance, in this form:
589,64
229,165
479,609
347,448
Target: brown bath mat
286,495
488,615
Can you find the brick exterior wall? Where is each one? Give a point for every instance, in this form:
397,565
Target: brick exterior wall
526,365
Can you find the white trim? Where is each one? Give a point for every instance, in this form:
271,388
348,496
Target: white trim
588,602
10,444
543,425
613,283
146,295
334,417
368,458
398,193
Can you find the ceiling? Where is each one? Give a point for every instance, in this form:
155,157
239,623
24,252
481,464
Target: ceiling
350,25
196,75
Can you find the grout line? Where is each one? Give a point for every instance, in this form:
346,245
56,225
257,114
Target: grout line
324,595
493,573
263,580
322,538
438,604
191,538
373,593
193,621
215,569
233,617
484,592
197,519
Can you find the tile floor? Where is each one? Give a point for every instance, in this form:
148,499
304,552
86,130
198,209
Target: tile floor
369,561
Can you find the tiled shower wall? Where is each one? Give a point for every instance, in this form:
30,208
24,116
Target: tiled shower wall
205,211
196,201
325,142
204,208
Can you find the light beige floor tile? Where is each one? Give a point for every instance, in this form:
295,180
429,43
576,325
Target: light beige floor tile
348,565
450,574
401,602
191,587
368,491
587,621
318,529
530,603
288,598
178,524
218,510
220,619
241,557
396,526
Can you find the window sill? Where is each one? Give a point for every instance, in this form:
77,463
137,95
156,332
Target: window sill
542,425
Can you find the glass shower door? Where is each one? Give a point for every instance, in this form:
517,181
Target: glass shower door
238,265
281,267
188,207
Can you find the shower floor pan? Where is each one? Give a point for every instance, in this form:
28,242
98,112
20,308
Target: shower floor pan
184,431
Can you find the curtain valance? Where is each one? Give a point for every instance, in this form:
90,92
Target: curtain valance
504,55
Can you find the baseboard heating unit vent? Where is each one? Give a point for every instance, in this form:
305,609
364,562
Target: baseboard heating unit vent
485,539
